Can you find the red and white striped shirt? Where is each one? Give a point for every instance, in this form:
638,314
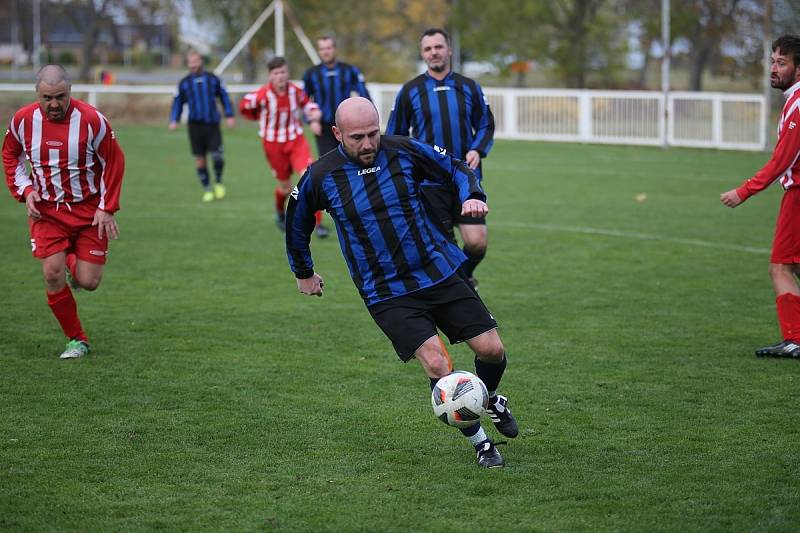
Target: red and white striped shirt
70,160
784,163
277,114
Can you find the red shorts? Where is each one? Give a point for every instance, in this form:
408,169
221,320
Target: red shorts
786,246
68,228
287,157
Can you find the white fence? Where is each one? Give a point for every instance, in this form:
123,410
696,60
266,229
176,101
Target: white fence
692,119
704,120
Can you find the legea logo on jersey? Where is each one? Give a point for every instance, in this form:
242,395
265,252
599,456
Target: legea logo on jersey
54,143
98,253
439,149
368,170
295,192
441,88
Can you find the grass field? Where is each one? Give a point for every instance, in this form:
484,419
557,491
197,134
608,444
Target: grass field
218,398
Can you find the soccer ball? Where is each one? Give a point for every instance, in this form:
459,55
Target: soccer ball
459,399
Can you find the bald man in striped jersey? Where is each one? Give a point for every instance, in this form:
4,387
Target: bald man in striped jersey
405,269
62,160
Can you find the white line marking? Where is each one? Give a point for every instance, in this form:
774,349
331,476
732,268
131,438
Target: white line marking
632,235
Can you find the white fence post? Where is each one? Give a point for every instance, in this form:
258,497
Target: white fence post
716,120
584,116
377,100
670,126
663,109
510,114
763,129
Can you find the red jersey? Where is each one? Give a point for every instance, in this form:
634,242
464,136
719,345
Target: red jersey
71,160
783,164
277,114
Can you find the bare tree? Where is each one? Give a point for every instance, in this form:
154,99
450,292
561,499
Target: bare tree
91,17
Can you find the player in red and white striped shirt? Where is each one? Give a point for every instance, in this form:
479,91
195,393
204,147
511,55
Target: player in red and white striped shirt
785,167
62,160
278,106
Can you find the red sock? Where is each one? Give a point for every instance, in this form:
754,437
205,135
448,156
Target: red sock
72,265
66,312
280,201
318,216
788,306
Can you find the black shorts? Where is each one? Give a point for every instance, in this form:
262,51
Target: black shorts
326,141
452,306
443,204
204,138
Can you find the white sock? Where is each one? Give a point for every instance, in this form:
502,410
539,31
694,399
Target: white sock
478,437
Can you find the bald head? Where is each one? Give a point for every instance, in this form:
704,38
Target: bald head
53,91
52,75
358,129
355,110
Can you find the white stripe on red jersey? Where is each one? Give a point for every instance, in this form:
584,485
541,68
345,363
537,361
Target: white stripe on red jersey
277,114
70,160
784,164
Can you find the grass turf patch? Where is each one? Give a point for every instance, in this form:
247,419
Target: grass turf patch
216,397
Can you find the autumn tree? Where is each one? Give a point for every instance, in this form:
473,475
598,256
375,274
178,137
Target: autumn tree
381,39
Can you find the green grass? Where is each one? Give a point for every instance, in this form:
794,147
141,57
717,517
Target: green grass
218,398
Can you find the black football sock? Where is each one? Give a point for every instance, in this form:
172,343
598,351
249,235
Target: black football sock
219,164
490,373
472,261
202,174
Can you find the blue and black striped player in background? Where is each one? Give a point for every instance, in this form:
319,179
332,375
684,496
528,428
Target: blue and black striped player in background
201,89
404,267
329,84
449,110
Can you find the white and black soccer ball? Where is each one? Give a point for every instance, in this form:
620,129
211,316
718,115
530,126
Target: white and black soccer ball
459,399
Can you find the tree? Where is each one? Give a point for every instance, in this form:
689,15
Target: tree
786,17
91,16
95,18
572,37
381,40
646,31
512,31
585,36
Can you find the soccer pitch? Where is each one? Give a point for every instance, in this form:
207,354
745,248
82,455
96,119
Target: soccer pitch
218,398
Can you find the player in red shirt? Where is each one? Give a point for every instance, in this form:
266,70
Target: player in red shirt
62,160
785,167
277,106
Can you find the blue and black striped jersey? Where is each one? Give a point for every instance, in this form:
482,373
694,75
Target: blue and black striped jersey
200,92
452,113
329,86
390,245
